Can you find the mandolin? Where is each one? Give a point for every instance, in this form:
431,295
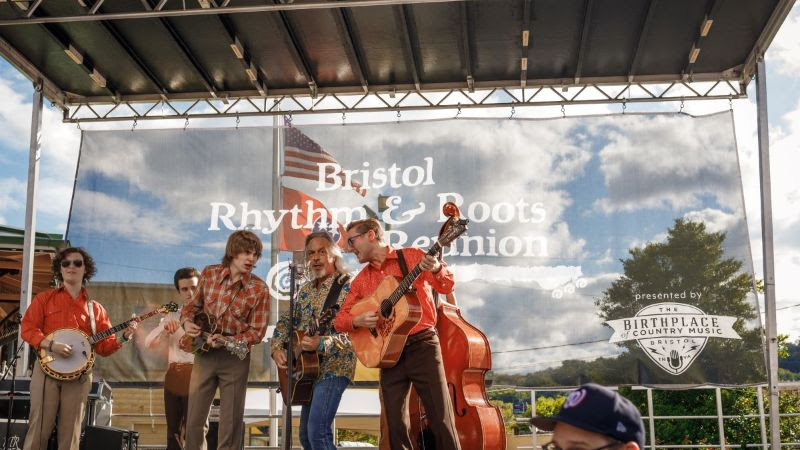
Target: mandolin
208,327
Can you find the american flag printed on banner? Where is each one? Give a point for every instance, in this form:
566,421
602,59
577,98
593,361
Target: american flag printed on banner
302,157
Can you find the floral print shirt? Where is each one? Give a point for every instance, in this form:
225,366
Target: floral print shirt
337,357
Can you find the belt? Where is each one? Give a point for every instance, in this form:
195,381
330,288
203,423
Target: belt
420,335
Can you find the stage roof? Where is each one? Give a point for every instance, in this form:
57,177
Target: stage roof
107,52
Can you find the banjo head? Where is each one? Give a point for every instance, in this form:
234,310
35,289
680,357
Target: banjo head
82,354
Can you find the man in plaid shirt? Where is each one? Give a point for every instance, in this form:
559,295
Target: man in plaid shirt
240,302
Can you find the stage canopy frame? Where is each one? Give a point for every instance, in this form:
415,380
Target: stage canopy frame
312,56
118,60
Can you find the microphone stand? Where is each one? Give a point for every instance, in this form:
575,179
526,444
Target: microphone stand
287,412
13,368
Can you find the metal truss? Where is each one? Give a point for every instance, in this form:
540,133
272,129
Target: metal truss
456,98
206,7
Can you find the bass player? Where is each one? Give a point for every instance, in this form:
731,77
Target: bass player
239,301
327,289
66,306
420,363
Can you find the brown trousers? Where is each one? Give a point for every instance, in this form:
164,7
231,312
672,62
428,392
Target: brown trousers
217,368
420,365
176,403
50,397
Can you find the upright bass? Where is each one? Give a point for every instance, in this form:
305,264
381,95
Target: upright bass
467,357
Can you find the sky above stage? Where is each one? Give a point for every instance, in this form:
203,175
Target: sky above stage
61,144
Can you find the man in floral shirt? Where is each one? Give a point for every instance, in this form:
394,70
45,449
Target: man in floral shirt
337,360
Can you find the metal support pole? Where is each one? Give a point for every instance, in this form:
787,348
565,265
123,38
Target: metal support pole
720,419
769,254
533,414
275,249
650,418
762,423
29,243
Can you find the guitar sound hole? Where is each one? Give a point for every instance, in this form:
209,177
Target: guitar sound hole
386,309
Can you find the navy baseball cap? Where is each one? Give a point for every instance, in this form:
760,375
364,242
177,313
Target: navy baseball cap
595,408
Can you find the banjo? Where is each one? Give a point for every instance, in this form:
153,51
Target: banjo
82,357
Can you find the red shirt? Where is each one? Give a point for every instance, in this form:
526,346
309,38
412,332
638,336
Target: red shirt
370,277
54,309
241,308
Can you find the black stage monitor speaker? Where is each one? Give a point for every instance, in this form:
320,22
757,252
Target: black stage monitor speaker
109,438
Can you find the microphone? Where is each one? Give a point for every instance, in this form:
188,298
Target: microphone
299,263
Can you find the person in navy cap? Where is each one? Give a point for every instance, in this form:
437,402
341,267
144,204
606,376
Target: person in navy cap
594,418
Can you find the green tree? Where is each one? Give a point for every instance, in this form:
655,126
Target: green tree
692,260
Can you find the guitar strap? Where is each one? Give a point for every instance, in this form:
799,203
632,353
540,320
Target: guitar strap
90,305
333,296
333,293
401,260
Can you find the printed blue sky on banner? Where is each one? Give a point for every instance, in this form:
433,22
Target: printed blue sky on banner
554,205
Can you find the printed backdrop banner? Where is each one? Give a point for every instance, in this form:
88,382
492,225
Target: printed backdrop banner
608,248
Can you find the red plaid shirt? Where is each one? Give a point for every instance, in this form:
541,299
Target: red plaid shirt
55,309
370,277
241,308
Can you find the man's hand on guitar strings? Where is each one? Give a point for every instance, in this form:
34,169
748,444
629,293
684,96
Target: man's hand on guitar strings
171,326
279,356
309,344
128,333
215,340
60,349
191,328
368,320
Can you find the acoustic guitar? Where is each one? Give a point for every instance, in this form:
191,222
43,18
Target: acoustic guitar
208,326
305,364
82,357
398,310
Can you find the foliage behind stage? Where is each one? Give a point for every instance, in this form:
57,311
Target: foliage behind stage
610,248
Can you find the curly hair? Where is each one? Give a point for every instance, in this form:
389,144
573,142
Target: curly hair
88,263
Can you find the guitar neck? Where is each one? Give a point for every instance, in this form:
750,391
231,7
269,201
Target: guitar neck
409,279
99,336
322,323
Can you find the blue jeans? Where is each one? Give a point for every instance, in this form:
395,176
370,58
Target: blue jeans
316,419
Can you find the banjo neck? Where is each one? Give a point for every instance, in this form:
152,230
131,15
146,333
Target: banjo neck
100,335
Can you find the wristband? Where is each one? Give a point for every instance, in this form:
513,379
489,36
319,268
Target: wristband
123,339
321,346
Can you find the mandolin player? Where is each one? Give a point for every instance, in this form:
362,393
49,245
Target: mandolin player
327,289
239,301
66,306
420,363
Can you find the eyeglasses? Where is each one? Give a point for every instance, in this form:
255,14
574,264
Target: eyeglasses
352,239
553,446
75,262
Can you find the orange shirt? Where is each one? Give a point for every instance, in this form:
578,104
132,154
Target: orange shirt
370,277
54,309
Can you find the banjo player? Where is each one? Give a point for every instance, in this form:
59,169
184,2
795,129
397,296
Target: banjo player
66,306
